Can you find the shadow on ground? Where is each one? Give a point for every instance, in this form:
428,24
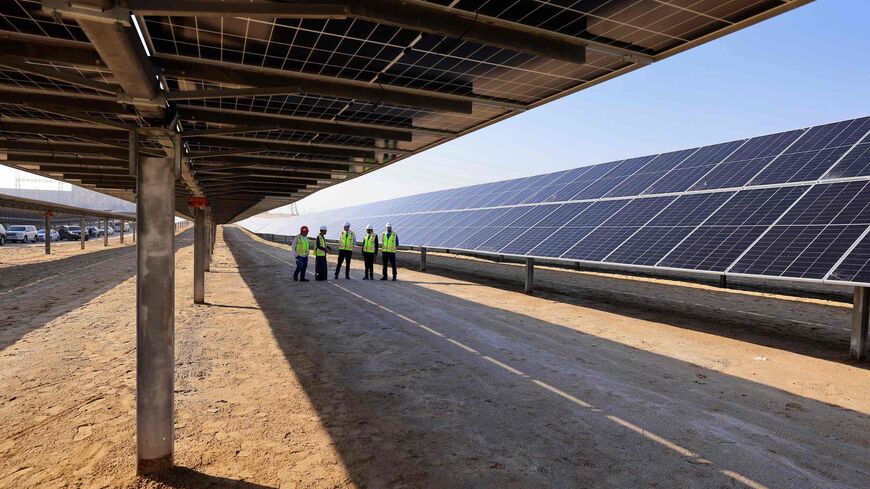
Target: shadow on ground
79,279
186,478
814,330
419,388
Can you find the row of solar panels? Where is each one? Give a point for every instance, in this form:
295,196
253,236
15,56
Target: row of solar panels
812,231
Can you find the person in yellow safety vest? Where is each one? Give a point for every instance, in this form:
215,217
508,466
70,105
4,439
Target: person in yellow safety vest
299,248
370,251
390,243
320,251
346,242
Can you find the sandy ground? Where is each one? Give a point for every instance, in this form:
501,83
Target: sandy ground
450,378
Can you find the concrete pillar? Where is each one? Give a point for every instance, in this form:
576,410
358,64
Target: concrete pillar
530,275
133,230
84,232
422,258
122,228
106,232
723,281
860,320
47,233
199,243
155,315
209,237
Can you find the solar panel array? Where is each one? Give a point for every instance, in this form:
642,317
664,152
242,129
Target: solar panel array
793,205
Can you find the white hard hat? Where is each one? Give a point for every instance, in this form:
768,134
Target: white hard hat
323,228
347,223
388,225
369,226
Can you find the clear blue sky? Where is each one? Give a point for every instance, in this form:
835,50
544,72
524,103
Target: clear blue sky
806,67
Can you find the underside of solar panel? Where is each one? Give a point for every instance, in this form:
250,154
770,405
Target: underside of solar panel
793,205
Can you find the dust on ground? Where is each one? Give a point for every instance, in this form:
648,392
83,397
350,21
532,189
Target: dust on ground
450,378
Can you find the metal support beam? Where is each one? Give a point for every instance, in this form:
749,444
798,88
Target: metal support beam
723,281
155,315
422,258
106,232
83,233
199,244
860,322
47,233
530,275
296,82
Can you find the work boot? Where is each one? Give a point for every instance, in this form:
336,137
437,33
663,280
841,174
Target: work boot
347,277
394,279
304,280
295,279
383,278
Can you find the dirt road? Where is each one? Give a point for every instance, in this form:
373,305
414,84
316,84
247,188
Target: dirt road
443,379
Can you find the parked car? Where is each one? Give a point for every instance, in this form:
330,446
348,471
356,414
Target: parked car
93,232
2,235
72,233
111,230
21,233
40,235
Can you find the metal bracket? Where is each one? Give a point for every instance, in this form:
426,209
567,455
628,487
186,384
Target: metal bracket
158,101
75,10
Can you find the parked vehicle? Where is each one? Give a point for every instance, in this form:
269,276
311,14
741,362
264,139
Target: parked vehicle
72,233
105,230
93,232
21,233
54,235
2,235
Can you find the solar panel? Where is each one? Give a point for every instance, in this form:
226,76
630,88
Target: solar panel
791,205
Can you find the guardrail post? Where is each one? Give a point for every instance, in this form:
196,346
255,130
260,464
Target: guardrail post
47,232
860,320
422,258
83,232
530,275
155,315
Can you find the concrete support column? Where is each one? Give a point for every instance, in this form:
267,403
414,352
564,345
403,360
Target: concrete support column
422,258
209,237
106,232
84,232
530,275
47,233
860,321
155,315
199,251
122,225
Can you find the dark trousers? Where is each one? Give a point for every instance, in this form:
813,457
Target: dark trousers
391,258
301,267
369,259
320,268
343,255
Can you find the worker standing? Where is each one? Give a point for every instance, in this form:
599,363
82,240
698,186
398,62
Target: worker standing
320,251
370,251
299,248
345,249
390,243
